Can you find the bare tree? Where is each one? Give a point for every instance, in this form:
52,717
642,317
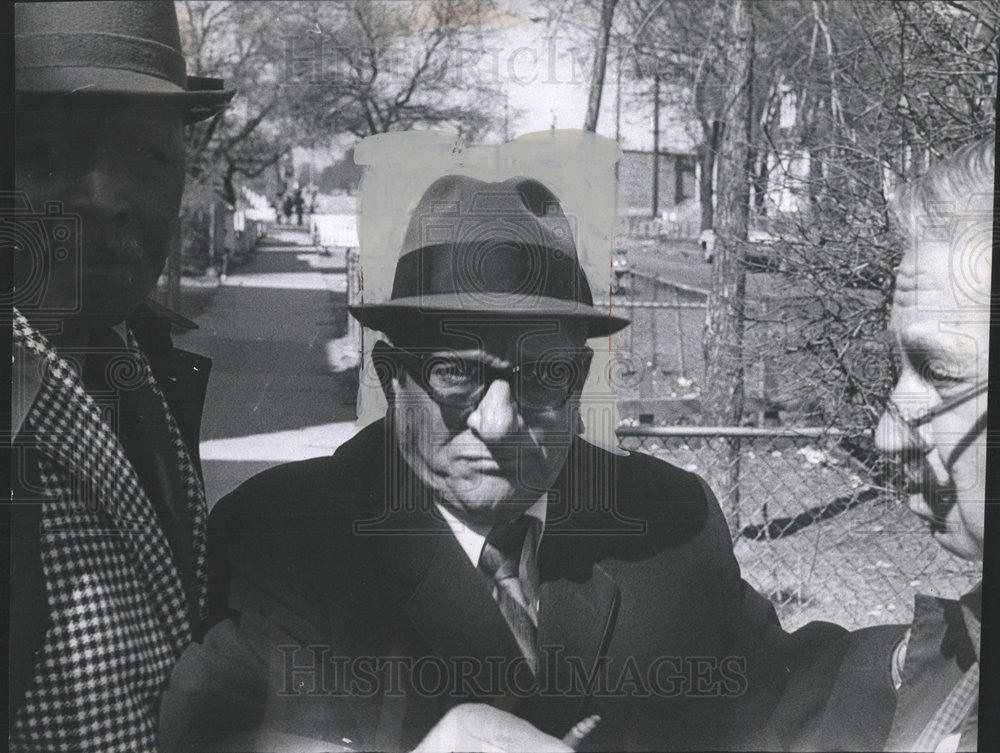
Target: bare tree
723,389
600,65
395,66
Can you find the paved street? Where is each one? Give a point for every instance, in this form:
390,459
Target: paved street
680,262
272,397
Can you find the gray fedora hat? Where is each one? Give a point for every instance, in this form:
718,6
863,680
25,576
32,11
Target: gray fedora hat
503,249
110,49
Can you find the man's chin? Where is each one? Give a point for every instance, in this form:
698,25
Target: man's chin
494,503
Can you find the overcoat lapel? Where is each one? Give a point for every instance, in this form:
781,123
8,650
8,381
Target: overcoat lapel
68,427
453,610
450,603
443,599
575,623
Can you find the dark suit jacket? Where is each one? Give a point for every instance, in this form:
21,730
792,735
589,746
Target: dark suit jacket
842,697
356,614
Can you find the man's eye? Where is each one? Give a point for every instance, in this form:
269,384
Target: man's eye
940,369
450,373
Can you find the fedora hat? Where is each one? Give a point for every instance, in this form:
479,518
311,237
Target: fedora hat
503,249
110,49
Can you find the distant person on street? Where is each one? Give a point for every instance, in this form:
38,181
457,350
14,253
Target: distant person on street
299,203
278,207
108,562
915,687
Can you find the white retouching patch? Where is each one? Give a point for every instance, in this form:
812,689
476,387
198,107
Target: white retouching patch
577,166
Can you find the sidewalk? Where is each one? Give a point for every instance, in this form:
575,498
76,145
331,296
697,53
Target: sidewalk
271,397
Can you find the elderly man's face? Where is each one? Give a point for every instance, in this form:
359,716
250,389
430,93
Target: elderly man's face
492,459
943,334
117,169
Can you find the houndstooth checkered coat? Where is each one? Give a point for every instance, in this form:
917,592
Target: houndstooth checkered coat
118,616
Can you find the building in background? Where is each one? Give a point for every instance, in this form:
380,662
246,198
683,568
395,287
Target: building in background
637,187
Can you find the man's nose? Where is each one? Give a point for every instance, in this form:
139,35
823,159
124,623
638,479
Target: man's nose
497,415
911,398
100,196
891,435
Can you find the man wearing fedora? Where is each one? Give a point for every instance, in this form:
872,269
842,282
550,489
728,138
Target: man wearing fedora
468,573
108,568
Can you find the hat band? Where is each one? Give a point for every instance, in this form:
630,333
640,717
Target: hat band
498,268
99,50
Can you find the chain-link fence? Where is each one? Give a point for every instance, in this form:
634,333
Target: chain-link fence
665,334
821,529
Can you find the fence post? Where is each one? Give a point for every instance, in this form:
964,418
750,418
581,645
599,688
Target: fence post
211,233
352,257
680,339
764,360
654,322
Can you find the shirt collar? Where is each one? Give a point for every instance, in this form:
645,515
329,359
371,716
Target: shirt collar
472,542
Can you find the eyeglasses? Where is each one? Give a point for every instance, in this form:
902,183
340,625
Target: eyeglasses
915,467
542,384
913,424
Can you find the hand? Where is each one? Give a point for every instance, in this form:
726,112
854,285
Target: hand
480,728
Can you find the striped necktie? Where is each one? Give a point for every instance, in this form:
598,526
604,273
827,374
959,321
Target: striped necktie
502,561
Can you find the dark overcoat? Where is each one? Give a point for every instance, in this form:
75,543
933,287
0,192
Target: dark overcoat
356,615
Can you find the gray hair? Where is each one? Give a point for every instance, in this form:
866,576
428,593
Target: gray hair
968,173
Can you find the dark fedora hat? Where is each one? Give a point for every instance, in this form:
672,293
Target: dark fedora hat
110,49
502,249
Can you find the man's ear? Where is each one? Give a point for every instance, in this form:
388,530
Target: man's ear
585,361
386,368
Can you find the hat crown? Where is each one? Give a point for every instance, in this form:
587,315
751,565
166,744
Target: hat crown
456,209
126,48
151,20
505,245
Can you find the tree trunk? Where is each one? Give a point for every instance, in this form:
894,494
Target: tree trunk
760,177
722,392
228,189
600,63
706,180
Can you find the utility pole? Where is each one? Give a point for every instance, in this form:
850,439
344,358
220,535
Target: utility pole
618,107
656,145
600,64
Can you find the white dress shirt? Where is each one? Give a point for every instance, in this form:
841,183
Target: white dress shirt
472,542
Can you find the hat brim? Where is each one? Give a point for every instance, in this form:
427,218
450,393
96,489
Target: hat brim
385,316
197,102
